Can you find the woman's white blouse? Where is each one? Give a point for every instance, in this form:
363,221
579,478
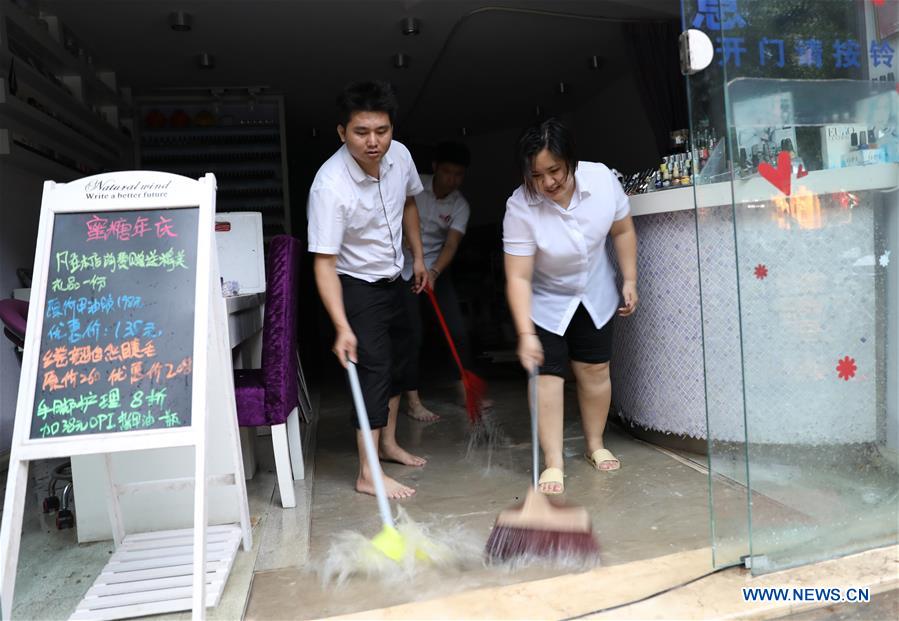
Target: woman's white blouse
571,265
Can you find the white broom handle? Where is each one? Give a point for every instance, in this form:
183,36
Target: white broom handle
535,440
370,453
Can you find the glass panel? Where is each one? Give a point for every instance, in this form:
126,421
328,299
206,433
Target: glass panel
716,252
812,167
814,237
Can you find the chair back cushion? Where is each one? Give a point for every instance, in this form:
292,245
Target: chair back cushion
14,316
279,336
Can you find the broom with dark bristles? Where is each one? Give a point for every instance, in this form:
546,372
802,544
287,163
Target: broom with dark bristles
474,386
539,526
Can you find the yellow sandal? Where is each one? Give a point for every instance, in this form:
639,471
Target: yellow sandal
552,475
601,455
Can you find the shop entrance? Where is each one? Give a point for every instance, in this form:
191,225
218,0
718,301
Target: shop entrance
754,392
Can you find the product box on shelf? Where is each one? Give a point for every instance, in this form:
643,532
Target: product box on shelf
836,143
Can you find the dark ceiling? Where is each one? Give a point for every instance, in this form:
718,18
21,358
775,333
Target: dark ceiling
472,65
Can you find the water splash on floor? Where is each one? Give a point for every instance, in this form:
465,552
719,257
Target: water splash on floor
486,434
448,548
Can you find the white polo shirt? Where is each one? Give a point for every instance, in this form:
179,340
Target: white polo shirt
569,247
437,216
360,218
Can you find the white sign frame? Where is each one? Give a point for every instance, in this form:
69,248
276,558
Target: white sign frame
212,378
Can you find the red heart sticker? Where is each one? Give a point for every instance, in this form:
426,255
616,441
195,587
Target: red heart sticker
801,172
778,177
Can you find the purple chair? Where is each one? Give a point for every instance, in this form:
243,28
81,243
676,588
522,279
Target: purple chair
14,316
268,396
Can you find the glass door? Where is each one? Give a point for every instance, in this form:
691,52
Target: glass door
796,137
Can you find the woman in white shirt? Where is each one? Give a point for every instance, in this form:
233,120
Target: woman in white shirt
561,285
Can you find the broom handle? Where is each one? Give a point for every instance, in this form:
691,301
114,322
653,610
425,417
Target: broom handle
371,455
446,330
535,441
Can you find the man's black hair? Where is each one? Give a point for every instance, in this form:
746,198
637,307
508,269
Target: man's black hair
371,96
452,153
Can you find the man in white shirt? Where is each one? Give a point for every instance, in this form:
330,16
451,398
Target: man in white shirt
444,213
361,207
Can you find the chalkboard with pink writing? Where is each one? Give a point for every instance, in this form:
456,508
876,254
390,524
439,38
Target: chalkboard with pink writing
116,348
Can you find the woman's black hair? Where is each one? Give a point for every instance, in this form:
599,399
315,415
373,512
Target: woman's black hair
374,96
552,135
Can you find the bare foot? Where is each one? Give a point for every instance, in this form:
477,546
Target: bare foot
420,412
400,456
395,490
550,488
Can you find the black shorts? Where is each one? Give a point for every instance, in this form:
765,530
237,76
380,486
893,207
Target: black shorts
378,319
582,342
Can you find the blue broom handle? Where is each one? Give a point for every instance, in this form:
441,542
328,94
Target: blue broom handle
535,440
371,455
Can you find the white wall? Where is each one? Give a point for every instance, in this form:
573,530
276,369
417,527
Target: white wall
20,204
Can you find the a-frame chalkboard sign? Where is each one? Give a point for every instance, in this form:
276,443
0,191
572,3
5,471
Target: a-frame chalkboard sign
127,349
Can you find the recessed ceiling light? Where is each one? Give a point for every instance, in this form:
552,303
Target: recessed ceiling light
401,60
205,60
595,62
181,21
410,26
563,88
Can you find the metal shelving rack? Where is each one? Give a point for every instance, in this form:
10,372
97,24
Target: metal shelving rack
239,138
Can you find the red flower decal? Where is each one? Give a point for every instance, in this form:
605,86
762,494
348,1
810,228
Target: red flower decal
846,368
761,271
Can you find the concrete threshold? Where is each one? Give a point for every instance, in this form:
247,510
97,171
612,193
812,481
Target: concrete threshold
677,586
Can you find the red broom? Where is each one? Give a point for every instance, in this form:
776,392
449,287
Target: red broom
474,386
539,526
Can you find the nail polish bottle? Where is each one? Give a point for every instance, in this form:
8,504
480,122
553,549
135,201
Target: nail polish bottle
872,139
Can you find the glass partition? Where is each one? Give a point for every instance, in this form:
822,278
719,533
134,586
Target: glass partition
815,229
796,211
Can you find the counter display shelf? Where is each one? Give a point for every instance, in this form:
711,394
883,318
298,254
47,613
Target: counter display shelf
789,288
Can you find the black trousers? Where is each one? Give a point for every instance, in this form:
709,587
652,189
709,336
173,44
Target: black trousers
377,317
448,301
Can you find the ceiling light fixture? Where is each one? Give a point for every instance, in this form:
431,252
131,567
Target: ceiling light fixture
181,21
595,62
205,60
401,60
410,26
463,131
562,88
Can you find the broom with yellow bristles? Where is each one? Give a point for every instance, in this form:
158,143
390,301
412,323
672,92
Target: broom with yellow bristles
539,527
389,542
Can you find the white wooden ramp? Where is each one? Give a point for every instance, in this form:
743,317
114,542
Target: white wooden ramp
151,573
